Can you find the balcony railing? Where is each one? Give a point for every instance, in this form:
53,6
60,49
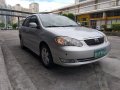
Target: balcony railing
98,6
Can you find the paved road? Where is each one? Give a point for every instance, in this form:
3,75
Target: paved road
103,75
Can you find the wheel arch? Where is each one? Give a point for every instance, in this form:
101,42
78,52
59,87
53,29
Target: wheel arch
51,61
19,36
43,43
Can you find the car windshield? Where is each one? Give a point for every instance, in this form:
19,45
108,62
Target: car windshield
53,20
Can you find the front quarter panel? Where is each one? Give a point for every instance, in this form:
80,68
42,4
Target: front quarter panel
48,38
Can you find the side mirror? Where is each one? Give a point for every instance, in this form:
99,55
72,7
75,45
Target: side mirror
32,25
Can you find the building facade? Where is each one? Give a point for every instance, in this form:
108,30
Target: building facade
94,13
7,21
2,5
19,8
34,7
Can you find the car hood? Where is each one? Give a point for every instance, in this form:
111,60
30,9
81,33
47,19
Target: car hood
79,33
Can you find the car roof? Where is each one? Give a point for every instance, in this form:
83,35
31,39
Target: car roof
44,13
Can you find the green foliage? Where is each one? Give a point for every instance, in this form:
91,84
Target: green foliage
103,26
65,15
116,27
70,15
2,25
14,26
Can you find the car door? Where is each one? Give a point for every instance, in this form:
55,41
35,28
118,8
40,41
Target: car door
33,34
24,31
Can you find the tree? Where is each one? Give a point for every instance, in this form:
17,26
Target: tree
14,26
65,15
2,25
70,15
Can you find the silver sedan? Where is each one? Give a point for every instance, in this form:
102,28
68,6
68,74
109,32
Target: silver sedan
59,40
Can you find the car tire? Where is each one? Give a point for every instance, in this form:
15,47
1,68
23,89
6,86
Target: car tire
46,56
22,44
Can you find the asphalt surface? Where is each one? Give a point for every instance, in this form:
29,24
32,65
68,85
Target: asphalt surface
103,75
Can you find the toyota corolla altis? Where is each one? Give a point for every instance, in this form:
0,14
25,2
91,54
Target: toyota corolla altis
60,40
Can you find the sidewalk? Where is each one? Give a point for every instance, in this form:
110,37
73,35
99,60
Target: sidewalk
12,75
18,77
4,80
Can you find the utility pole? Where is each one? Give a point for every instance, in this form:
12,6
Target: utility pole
5,20
105,18
96,1
117,2
18,22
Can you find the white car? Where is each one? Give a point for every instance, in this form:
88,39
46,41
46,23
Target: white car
59,40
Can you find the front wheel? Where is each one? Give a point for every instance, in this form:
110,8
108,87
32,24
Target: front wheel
46,56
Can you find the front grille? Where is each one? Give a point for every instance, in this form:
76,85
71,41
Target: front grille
95,41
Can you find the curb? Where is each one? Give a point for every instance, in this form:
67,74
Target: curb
4,80
112,33
18,77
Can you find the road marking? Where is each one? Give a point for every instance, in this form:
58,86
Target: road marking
4,80
19,79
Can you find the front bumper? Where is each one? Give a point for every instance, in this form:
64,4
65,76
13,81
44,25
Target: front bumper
80,63
77,55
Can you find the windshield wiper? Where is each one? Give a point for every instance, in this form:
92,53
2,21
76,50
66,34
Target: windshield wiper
63,26
53,26
70,26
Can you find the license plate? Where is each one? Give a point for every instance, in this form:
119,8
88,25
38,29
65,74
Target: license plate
100,53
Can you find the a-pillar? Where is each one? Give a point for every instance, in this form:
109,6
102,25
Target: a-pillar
105,19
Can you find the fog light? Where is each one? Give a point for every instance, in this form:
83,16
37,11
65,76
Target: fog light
67,60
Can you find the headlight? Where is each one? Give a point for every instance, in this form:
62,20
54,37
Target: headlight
67,41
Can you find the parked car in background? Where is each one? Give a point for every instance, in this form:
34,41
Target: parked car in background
59,40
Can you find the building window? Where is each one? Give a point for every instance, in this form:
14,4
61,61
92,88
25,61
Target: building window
84,24
83,19
97,15
81,0
113,13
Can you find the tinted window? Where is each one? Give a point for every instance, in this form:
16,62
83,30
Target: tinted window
26,22
49,20
29,20
34,19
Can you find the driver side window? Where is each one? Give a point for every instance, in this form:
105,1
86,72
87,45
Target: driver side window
34,19
26,22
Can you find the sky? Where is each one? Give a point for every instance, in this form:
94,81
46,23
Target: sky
44,5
